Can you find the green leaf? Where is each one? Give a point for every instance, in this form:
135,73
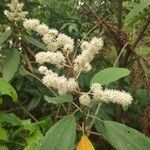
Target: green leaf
28,125
122,137
45,123
33,103
36,43
7,89
59,99
4,36
11,65
107,111
33,139
109,75
10,118
135,11
60,136
3,134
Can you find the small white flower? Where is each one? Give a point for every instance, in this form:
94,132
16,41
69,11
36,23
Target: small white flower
52,80
63,40
72,84
85,45
42,29
82,61
84,99
47,39
42,69
87,67
55,58
68,48
95,87
62,85
16,13
52,32
31,24
97,91
96,44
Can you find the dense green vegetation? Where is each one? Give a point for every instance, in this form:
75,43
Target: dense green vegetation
34,116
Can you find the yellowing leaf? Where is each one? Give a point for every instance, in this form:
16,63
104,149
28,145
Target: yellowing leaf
85,144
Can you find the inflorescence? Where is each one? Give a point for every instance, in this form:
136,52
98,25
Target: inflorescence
60,49
16,13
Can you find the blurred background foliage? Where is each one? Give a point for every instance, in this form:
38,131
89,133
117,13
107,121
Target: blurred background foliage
119,22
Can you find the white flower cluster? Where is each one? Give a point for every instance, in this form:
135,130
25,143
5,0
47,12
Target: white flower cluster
52,39
110,95
60,83
58,41
55,58
85,99
89,50
15,13
55,42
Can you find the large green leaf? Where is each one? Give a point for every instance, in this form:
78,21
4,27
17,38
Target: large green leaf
35,42
59,99
4,36
136,10
122,137
60,136
109,75
11,65
7,89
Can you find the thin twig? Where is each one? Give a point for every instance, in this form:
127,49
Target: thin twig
95,114
17,143
122,50
27,112
65,109
141,33
88,33
57,113
14,109
28,62
77,107
94,117
40,81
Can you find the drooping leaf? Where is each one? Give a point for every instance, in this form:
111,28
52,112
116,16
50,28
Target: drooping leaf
135,11
7,89
35,42
122,137
10,118
32,104
4,36
85,144
59,99
11,65
3,134
60,136
109,75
